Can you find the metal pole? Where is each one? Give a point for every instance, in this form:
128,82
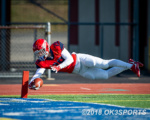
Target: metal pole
136,31
48,30
69,25
101,41
3,12
49,42
3,36
35,38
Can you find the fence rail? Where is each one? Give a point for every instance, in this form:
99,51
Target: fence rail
16,48
23,27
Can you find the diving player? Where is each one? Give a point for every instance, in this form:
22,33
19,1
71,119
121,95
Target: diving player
57,58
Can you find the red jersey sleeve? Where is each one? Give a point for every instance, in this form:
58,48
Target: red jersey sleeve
44,64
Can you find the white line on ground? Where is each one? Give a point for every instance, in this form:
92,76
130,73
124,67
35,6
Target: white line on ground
85,88
133,78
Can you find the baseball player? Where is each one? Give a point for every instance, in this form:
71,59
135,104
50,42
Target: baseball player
57,58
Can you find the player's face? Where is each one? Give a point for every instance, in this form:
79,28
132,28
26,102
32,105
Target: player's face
49,54
40,53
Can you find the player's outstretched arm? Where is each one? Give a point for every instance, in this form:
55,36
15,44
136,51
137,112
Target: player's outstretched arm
38,74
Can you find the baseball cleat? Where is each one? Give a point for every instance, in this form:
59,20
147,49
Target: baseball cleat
135,66
131,61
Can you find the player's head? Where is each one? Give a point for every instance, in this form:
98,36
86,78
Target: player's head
41,48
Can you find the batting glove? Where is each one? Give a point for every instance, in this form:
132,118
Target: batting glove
55,68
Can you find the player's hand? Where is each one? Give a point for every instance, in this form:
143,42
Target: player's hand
31,85
55,68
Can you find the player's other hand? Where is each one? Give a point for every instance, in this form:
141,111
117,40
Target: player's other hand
55,68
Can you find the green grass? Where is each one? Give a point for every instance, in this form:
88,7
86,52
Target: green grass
142,101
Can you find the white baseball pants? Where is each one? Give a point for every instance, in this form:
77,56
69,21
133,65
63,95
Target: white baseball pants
92,67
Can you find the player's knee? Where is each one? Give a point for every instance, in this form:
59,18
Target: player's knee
105,64
89,76
111,62
104,76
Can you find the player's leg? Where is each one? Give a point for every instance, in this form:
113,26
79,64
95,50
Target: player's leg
115,70
92,61
96,73
132,65
118,63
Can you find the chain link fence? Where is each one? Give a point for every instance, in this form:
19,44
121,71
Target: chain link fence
16,49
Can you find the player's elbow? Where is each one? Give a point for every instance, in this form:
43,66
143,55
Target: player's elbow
70,61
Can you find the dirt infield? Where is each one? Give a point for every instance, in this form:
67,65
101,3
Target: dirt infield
126,88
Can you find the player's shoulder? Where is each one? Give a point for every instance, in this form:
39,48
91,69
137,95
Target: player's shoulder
57,45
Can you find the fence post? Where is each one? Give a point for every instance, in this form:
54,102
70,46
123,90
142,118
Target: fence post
49,42
136,31
101,41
